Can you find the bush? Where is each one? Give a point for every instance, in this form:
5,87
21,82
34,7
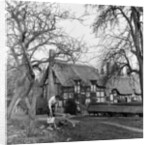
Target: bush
71,107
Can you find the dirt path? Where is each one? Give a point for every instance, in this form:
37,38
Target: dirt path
124,127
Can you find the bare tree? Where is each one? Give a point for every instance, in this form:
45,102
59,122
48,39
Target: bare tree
30,27
123,37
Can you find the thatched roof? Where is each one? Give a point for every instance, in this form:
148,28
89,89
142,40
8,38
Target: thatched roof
67,73
124,84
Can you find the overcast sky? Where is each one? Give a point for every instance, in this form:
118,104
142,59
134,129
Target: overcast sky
82,31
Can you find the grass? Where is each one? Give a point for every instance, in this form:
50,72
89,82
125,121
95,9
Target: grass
92,129
136,122
89,128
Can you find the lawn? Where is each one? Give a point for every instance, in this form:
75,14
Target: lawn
134,121
89,128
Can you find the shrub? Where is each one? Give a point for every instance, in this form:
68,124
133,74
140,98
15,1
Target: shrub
71,107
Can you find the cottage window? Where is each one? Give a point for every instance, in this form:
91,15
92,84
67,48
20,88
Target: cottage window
77,87
98,94
111,97
87,94
65,96
93,86
102,94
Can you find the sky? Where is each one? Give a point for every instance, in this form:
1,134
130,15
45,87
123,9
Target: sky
82,31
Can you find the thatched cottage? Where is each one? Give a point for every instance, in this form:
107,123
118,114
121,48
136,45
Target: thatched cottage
119,85
123,89
74,80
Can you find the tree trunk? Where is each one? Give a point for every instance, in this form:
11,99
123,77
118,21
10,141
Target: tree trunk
141,77
30,128
13,103
21,92
37,91
138,43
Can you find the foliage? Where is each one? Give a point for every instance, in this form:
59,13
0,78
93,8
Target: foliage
70,107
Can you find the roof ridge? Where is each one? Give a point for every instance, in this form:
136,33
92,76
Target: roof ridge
75,64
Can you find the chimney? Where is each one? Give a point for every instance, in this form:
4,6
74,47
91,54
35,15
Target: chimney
51,87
